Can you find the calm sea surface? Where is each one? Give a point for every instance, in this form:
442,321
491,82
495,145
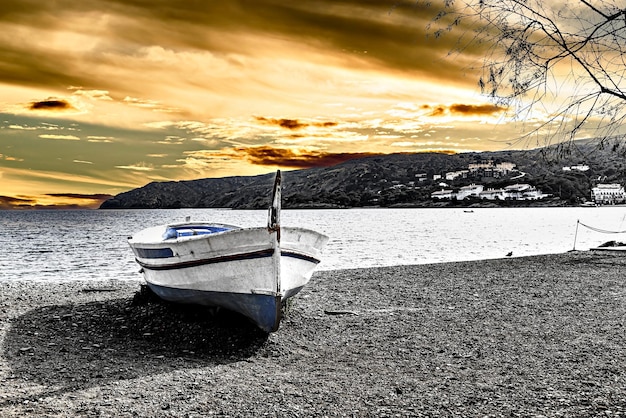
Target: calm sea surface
91,244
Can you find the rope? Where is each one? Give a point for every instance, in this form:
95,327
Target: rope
602,231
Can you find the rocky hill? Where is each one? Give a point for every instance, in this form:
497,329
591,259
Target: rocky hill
390,180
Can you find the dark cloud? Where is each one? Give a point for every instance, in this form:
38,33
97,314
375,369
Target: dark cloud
96,197
486,109
21,64
389,34
293,124
7,202
266,155
51,104
463,109
438,110
95,200
283,123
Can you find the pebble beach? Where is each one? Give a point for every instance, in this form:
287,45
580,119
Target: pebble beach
541,336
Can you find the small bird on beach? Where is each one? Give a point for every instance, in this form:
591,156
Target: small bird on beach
510,254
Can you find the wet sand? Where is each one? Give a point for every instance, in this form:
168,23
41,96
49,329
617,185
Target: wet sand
532,336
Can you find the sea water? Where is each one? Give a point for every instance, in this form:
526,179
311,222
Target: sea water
92,244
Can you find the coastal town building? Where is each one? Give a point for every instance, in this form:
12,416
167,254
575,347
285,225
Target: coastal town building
608,194
453,175
512,192
490,169
523,192
579,167
442,194
473,190
482,169
493,194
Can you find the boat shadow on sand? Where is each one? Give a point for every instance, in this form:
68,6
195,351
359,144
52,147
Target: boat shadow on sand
72,347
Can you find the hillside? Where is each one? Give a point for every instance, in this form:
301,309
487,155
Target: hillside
390,180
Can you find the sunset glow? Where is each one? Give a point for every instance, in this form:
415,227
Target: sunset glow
99,97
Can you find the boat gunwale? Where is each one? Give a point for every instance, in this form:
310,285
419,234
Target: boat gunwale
133,241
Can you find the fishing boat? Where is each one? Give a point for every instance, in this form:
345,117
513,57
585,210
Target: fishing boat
252,271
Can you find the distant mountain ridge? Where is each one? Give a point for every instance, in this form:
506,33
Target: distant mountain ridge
388,180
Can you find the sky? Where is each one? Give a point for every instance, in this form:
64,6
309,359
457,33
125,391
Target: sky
98,97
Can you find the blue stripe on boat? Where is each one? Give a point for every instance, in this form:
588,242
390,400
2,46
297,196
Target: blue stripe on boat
264,310
308,258
222,259
227,258
154,252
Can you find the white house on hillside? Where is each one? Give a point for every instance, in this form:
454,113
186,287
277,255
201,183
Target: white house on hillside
493,194
473,190
512,192
456,174
489,169
442,194
579,167
608,194
523,192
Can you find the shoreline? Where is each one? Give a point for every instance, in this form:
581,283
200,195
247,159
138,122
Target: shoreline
414,205
530,336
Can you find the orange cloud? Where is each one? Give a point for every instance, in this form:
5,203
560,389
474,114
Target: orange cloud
266,155
486,109
437,110
51,104
293,124
463,109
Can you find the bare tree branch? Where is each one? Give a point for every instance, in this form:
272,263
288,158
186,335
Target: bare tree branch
565,59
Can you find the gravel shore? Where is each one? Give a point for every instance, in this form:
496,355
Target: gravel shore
530,337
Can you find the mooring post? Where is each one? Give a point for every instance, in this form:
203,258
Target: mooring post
576,234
